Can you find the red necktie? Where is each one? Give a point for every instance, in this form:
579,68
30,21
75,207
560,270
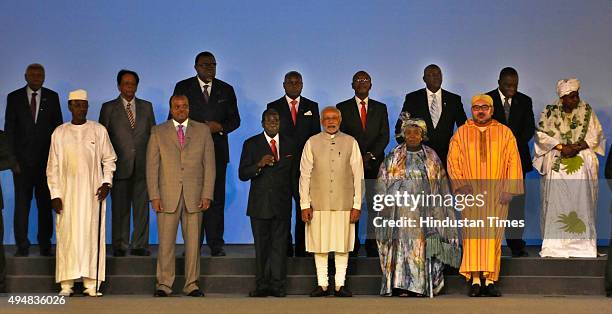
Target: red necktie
181,135
274,150
33,106
363,115
294,111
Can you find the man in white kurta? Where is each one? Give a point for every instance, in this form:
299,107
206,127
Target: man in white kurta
331,174
79,173
567,140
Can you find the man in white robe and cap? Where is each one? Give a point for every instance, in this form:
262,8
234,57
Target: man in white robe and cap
331,175
568,139
79,174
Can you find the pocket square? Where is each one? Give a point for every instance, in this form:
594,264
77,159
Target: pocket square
308,113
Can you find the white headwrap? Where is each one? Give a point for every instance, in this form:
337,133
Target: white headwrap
79,94
567,86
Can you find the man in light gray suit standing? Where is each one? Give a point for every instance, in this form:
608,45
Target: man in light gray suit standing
128,121
181,181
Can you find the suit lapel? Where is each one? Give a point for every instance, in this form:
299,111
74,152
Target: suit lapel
370,113
284,111
172,133
425,108
356,116
140,117
26,105
264,145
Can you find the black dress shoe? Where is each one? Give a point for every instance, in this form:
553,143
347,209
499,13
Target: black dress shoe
343,292
119,253
22,252
319,292
521,253
279,293
609,294
196,293
140,252
219,252
474,291
491,290
160,294
46,252
258,293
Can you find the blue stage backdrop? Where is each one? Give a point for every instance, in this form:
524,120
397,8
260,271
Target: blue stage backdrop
83,44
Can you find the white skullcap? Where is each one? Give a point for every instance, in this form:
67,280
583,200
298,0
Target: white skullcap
79,94
567,86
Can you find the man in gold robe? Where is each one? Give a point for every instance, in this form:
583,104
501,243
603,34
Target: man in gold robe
483,159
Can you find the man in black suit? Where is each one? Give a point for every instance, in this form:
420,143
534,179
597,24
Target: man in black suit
128,121
213,102
441,110
267,160
514,109
608,280
299,120
7,161
367,121
32,113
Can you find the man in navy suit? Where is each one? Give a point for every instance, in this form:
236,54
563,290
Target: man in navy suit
299,120
514,109
267,160
32,114
367,121
213,102
441,110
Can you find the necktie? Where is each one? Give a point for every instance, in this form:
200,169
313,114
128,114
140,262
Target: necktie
434,110
205,93
33,106
181,135
130,114
294,111
363,115
507,108
273,148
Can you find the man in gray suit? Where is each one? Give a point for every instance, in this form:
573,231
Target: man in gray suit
181,181
128,121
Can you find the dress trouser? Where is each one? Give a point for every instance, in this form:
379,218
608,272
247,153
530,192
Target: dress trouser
608,280
299,231
167,226
32,181
2,257
212,222
127,194
370,241
270,237
514,236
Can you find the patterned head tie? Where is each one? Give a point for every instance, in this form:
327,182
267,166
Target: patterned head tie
567,86
412,122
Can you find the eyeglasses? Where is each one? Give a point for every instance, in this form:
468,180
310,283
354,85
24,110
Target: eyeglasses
202,65
481,108
362,80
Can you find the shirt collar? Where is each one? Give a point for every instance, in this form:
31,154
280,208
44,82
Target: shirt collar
502,97
359,100
438,93
202,83
268,138
30,91
289,100
125,102
184,124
